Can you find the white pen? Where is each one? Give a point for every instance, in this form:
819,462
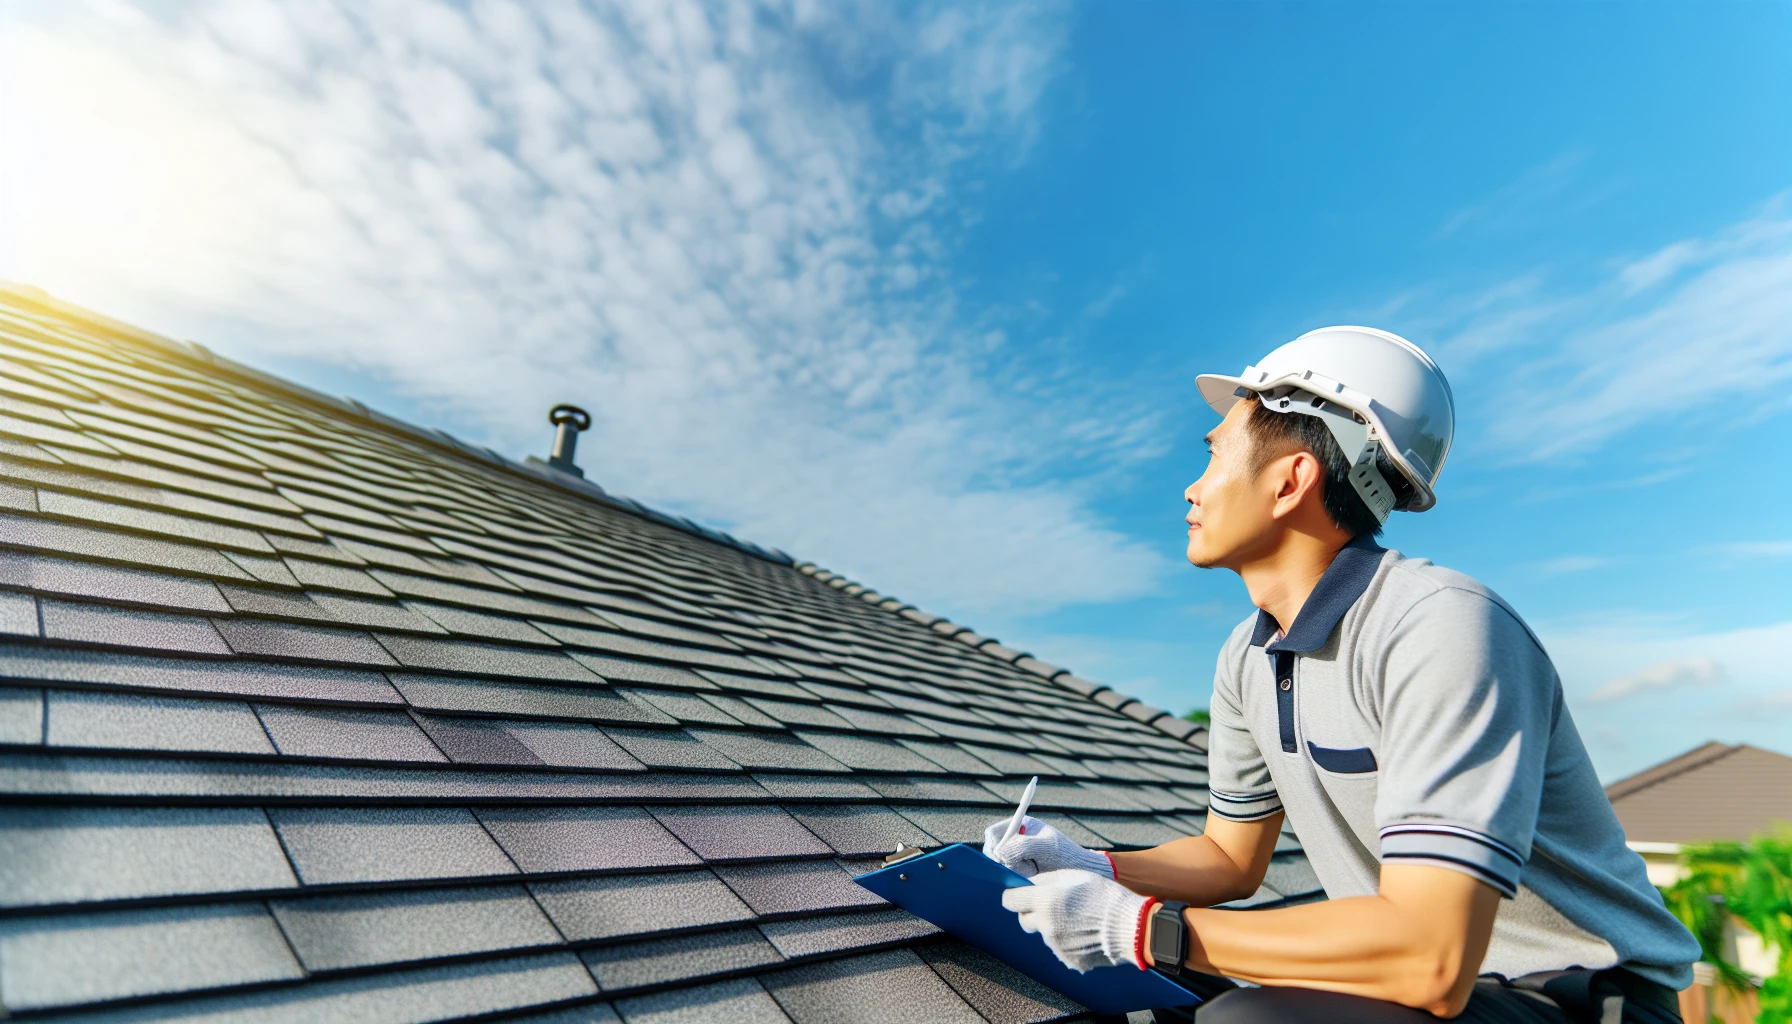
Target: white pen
1020,813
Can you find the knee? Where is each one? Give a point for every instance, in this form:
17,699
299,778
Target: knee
1277,1005
1253,1006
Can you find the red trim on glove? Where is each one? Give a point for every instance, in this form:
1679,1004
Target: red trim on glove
1113,869
1138,942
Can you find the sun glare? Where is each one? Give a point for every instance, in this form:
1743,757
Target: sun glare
113,179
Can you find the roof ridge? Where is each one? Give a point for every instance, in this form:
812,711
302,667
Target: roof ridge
1761,750
1697,757
1133,708
531,467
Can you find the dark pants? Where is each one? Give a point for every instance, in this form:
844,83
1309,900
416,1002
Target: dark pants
1587,995
1491,1003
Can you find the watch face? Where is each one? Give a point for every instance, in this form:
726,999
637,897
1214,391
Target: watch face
1168,936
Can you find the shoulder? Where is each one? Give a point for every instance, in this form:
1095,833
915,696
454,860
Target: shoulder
1421,596
1416,593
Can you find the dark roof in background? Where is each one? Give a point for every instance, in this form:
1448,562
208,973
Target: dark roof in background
308,713
1717,791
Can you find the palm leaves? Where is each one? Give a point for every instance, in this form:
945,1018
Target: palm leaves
1752,881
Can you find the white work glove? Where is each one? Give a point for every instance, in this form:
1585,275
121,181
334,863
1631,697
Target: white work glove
1087,920
1039,847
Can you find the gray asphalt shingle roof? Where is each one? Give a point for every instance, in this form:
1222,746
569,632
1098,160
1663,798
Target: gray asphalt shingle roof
306,712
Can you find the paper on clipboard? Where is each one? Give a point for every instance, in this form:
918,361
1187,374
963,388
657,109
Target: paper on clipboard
960,890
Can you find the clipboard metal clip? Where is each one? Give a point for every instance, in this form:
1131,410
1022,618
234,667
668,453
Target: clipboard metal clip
903,852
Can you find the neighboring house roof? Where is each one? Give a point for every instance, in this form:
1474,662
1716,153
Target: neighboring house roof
1716,791
309,713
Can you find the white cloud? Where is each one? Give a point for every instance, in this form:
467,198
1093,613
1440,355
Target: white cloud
1105,302
1570,564
1520,203
1701,328
1668,675
722,227
1672,675
1752,549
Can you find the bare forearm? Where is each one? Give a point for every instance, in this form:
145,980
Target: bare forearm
1362,945
1193,870
1420,943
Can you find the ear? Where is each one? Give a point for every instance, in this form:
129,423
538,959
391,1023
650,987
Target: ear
1297,477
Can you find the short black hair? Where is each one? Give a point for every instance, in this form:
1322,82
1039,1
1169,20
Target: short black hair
1275,433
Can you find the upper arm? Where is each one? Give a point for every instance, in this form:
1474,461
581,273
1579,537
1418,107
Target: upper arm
1247,844
1453,912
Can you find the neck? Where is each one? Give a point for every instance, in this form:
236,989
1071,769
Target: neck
1281,580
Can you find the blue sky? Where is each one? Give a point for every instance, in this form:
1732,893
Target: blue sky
918,292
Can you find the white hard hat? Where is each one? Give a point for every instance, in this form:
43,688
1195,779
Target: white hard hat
1378,392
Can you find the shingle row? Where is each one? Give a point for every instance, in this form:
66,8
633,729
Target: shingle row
67,856
94,624
113,721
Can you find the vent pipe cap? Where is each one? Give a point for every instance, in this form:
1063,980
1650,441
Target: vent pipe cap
571,421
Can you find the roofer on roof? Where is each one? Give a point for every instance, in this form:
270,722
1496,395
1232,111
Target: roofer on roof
1404,720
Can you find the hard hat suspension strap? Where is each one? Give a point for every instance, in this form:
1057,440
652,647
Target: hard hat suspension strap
1354,439
1370,485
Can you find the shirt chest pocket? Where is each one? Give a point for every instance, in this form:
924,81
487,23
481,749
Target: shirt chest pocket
1335,740
1343,760
1350,777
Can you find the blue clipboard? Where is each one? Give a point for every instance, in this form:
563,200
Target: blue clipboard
960,890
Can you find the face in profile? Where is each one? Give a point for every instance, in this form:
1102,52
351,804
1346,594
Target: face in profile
1231,505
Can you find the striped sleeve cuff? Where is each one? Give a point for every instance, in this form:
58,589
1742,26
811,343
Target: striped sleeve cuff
1451,846
1243,806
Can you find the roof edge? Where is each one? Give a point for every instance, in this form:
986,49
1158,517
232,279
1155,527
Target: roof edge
344,406
1697,757
1170,725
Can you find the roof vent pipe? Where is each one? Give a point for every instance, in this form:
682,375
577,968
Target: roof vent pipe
571,421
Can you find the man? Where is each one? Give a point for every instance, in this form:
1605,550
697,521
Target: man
1406,722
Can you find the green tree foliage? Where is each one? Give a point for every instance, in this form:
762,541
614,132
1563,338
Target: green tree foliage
1753,881
1199,716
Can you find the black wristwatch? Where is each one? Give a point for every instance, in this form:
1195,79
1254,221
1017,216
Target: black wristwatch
1169,938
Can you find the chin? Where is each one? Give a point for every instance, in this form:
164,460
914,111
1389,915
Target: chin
1199,558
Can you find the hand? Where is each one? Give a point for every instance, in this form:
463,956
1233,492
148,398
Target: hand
1039,847
1087,920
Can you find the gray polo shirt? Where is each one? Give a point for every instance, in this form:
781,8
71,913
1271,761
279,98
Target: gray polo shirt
1410,716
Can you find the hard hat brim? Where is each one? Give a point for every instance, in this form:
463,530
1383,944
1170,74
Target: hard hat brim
1219,390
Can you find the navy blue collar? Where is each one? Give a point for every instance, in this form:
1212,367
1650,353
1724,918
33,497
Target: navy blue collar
1344,581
